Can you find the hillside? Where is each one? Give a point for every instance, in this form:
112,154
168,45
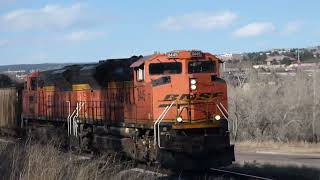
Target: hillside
276,56
32,67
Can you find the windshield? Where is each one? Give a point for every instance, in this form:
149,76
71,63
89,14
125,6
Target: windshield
165,68
201,67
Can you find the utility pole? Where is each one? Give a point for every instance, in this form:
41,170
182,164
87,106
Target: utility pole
298,71
314,135
299,62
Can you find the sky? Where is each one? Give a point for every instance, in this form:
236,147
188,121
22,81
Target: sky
62,31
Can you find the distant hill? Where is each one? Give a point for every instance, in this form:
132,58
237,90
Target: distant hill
281,55
32,67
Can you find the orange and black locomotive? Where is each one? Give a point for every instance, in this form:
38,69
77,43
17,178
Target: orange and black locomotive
169,108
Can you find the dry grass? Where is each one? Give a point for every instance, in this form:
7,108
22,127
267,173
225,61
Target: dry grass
30,161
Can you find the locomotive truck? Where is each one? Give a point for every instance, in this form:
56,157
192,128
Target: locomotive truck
168,108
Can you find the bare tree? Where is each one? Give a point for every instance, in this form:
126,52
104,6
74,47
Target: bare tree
274,107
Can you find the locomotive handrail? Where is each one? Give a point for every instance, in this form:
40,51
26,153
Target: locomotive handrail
155,126
160,118
223,108
69,114
75,124
71,119
159,145
222,112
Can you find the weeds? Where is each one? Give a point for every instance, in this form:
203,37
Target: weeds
32,161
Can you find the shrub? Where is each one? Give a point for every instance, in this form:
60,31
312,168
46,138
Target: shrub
275,107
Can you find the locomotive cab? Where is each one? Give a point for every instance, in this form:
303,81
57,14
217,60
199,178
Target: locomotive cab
188,79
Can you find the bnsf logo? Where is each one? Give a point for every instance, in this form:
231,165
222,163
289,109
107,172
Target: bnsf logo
194,97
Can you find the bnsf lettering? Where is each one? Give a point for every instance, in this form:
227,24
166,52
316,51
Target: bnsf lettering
185,97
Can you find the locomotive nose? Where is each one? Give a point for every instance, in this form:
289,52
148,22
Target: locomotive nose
207,99
194,101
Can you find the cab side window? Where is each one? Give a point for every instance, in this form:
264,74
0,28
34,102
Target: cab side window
165,68
140,73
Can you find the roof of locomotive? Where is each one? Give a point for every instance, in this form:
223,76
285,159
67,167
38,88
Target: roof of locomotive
141,61
95,74
177,54
105,71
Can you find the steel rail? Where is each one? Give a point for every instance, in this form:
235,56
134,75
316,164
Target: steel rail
239,174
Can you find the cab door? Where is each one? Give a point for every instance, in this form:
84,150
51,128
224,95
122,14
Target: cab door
143,97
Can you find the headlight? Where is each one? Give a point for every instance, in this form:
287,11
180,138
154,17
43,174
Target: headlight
179,119
193,87
217,117
193,81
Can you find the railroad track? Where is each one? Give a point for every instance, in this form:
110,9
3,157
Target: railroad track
237,175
